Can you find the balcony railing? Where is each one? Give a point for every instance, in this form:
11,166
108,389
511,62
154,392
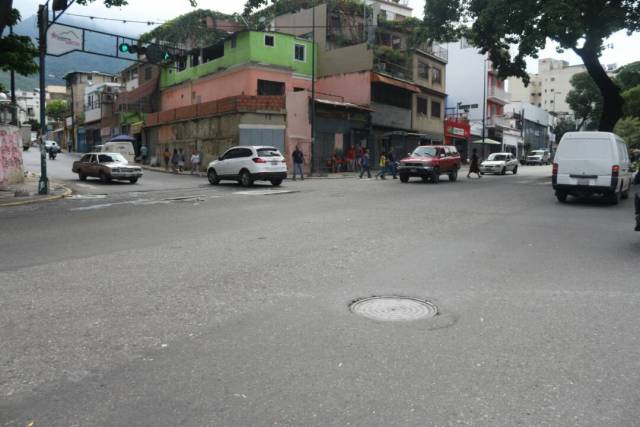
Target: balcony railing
500,94
435,50
395,70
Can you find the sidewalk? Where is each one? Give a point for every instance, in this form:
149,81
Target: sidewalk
187,172
27,192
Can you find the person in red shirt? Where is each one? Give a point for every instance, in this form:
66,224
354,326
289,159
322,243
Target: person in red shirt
351,159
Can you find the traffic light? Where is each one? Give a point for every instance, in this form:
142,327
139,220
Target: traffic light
132,49
157,54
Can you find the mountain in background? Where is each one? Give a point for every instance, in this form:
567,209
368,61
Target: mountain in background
76,61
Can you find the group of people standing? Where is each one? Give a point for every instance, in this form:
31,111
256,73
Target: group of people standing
177,160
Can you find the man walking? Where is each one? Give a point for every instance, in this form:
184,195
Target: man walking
144,153
391,164
364,163
195,162
298,162
166,155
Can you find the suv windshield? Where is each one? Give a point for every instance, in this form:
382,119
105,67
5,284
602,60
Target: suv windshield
497,157
111,158
424,152
268,152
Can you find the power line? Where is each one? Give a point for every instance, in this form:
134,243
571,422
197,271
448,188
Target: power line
124,21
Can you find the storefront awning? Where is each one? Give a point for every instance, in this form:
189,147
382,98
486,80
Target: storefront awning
487,141
375,77
343,104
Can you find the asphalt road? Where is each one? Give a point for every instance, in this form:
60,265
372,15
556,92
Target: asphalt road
200,305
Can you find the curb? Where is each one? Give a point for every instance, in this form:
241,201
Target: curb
67,193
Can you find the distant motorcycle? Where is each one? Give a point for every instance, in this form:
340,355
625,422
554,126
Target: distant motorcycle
53,153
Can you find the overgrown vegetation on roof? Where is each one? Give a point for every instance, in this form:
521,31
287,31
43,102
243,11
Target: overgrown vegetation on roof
190,28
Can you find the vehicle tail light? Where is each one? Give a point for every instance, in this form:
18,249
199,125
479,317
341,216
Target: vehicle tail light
555,169
615,170
258,160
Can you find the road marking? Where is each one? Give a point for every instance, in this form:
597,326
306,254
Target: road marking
264,192
87,196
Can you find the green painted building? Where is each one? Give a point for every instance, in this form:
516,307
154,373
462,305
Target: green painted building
248,47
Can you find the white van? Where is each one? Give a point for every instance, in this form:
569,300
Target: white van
123,147
589,163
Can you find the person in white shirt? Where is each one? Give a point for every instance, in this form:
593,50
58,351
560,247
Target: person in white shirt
195,162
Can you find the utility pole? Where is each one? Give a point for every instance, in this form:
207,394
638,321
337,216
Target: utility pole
484,105
43,24
14,105
313,86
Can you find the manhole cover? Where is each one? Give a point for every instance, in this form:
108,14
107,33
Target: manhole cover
394,309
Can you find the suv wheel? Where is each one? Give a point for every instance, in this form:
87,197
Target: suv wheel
515,170
276,182
404,178
435,178
562,196
212,176
453,175
82,177
245,179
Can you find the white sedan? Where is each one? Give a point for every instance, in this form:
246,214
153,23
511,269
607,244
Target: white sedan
499,163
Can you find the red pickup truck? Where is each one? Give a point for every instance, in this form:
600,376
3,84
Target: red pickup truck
429,162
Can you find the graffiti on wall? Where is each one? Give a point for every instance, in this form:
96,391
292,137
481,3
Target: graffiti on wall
11,167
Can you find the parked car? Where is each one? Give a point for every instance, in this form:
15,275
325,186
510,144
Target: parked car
429,162
48,145
538,157
588,163
107,167
247,164
499,163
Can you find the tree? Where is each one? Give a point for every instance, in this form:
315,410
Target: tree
629,130
632,102
497,27
628,76
35,125
563,126
57,109
585,101
18,52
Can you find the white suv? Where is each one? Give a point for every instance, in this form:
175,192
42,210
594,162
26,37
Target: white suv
247,164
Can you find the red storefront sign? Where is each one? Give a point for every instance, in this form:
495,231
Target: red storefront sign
456,129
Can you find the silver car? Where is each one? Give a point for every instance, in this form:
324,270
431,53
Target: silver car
499,163
538,157
107,167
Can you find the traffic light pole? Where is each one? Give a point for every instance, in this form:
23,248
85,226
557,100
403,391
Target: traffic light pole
43,23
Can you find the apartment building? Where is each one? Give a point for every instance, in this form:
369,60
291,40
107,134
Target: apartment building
549,87
234,92
403,84
474,88
100,122
77,83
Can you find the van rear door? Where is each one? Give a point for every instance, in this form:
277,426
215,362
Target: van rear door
586,161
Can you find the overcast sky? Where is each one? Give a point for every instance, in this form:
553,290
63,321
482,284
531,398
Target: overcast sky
625,48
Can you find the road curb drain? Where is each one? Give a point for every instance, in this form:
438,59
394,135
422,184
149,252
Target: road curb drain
393,308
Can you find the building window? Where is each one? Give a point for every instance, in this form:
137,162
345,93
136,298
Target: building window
436,76
435,109
234,41
195,59
298,89
299,52
212,52
553,79
268,87
269,40
422,106
423,70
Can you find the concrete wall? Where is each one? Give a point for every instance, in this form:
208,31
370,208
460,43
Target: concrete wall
298,127
242,81
430,82
389,116
351,87
11,166
425,123
300,22
345,60
209,136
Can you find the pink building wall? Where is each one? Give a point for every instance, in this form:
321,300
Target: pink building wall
298,128
212,88
352,87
